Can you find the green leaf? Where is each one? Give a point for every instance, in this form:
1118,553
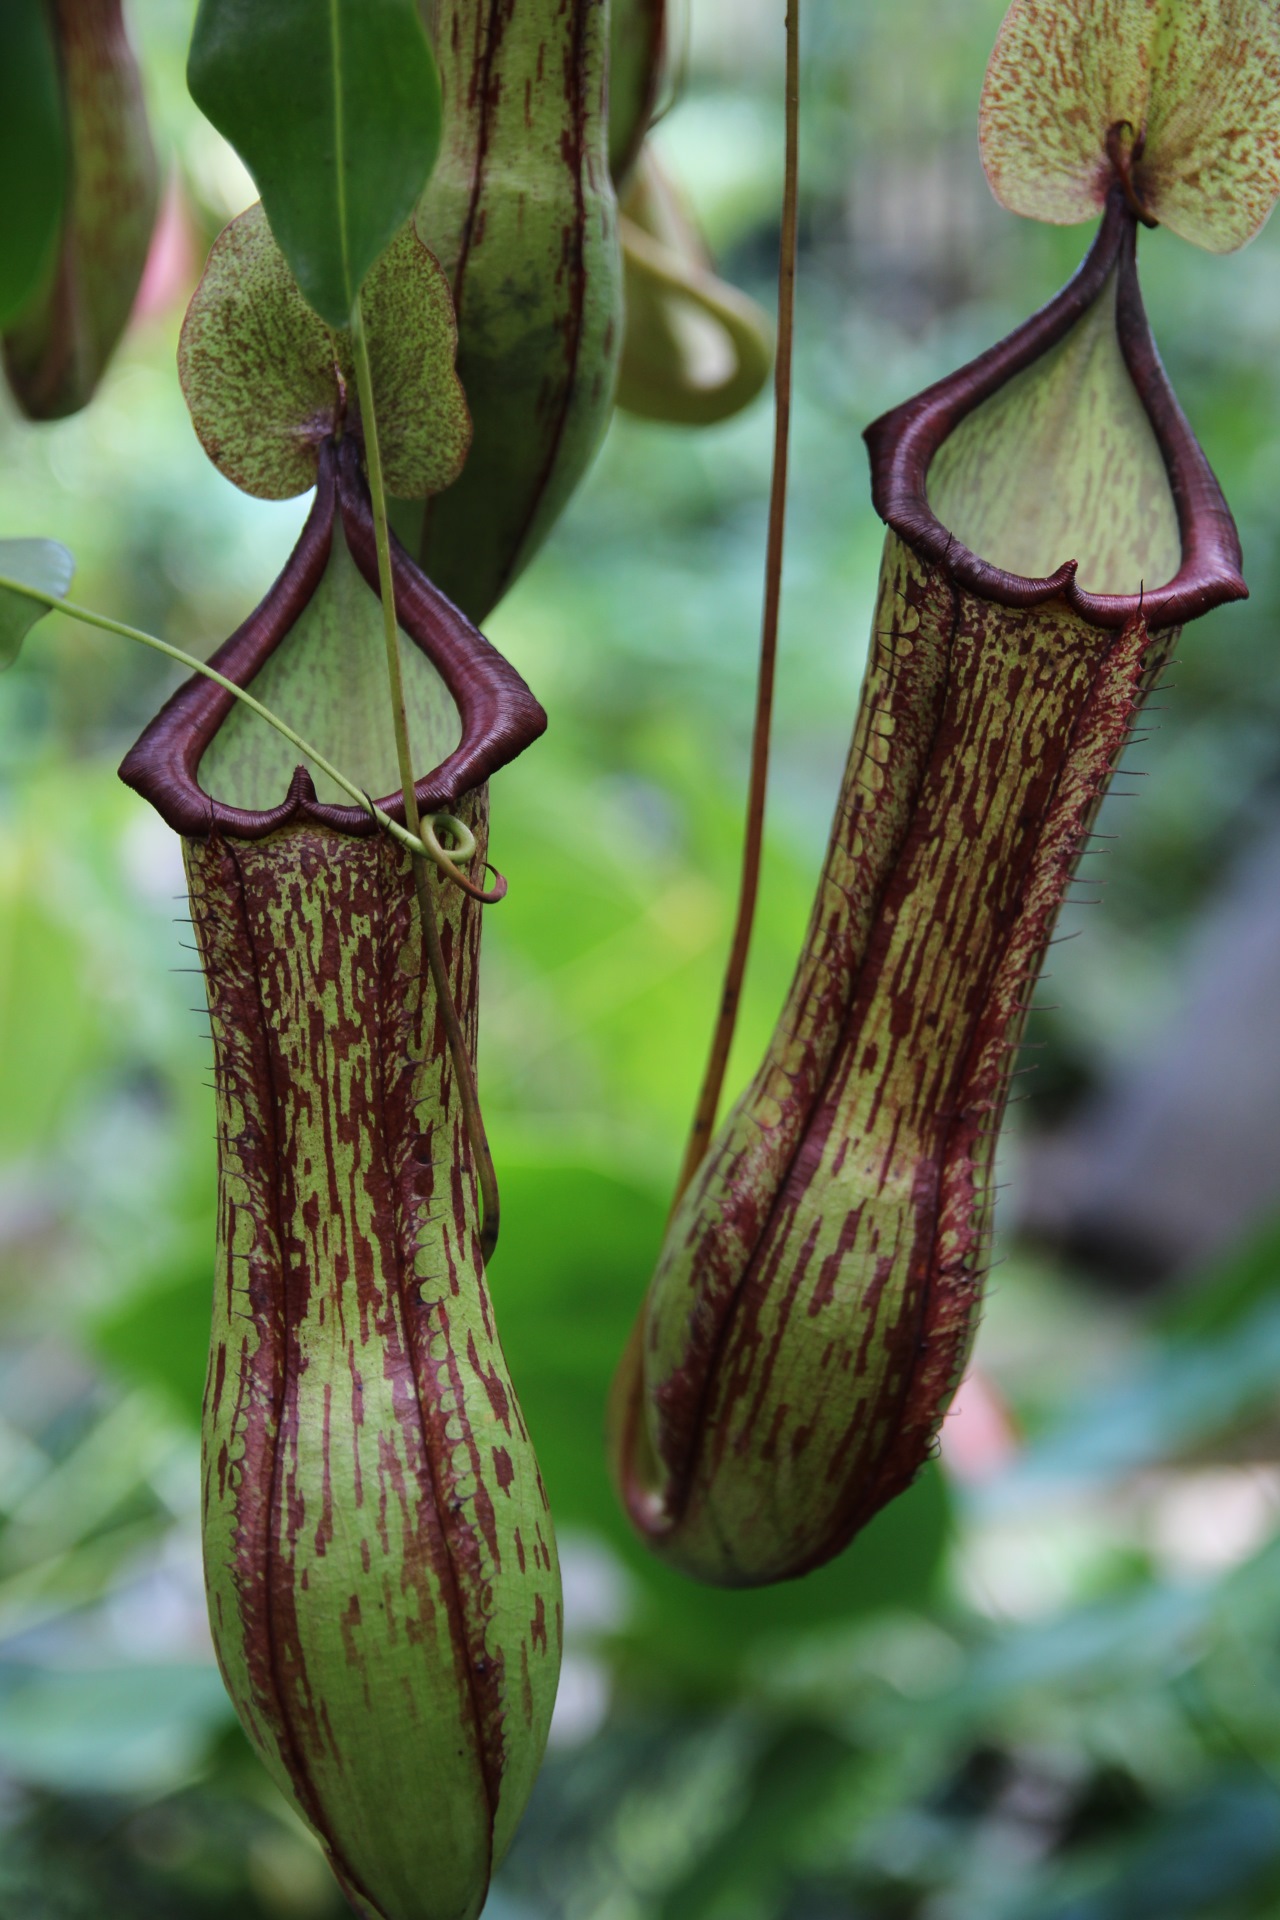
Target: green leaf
161,1336
52,1034
266,380
1196,82
117,1729
42,564
334,106
33,153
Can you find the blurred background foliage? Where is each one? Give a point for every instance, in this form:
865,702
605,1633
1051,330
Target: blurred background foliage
1047,1682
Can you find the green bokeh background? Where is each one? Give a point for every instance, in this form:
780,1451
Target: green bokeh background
1047,1688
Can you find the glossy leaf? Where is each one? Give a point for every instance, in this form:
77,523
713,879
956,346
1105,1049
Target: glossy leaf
33,154
267,381
42,564
1195,84
335,109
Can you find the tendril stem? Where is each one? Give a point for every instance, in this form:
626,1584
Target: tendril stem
704,1118
428,908
89,618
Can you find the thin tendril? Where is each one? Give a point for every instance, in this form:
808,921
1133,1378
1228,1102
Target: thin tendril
412,841
704,1118
427,907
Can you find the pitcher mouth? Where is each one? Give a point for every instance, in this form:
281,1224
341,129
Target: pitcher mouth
499,715
903,442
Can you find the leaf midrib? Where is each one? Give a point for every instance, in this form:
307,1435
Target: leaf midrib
339,156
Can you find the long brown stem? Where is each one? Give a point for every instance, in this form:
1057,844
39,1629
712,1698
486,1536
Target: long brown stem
704,1117
467,1090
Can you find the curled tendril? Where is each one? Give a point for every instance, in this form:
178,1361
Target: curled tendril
429,846
463,848
462,845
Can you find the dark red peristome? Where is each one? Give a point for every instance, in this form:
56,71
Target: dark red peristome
902,444
500,717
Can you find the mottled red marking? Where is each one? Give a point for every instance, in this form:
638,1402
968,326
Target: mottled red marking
769,1445
828,1273
235,889
324,1531
716,1410
879,1280
218,1376
492,1383
349,1619
568,39
997,706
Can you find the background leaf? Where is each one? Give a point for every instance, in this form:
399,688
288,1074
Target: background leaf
133,1727
335,109
38,563
578,1248
33,153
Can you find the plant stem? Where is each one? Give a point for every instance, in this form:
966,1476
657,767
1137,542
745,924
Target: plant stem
704,1118
386,580
411,840
467,1090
